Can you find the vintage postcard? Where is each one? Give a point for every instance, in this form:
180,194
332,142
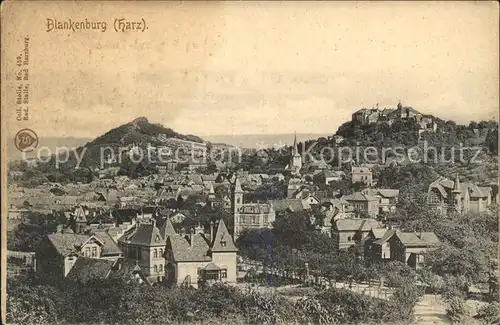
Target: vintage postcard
250,162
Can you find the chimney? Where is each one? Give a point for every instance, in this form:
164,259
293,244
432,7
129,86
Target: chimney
191,242
211,231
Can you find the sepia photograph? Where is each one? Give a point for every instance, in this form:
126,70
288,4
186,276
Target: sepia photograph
250,162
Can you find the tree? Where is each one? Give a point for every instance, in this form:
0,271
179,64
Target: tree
492,141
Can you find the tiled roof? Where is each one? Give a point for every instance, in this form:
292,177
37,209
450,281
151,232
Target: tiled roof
358,196
474,191
379,232
478,192
418,239
183,251
385,237
146,235
430,238
167,229
127,269
290,204
109,246
209,178
356,224
102,218
125,215
86,269
388,193
222,235
66,243
196,178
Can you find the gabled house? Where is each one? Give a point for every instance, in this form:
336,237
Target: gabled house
199,259
87,269
361,174
348,232
145,244
327,176
409,247
318,165
387,198
363,204
377,246
445,195
57,253
291,205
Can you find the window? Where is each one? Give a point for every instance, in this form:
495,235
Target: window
238,200
155,254
161,267
94,251
349,238
434,197
223,274
161,252
223,243
87,252
155,268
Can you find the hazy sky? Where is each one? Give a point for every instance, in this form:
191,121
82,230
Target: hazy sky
250,68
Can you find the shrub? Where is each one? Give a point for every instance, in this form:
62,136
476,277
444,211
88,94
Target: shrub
490,313
354,307
457,309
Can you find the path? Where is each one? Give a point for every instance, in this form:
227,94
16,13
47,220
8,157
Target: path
431,310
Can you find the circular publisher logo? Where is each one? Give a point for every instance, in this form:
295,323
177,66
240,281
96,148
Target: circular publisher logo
26,140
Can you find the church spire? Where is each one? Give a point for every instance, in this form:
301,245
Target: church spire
456,186
295,148
237,186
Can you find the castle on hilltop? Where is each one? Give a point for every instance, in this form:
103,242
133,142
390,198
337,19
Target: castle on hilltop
375,115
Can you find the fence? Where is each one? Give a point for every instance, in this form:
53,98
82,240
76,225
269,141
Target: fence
371,288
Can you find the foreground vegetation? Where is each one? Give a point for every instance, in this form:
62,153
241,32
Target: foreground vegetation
31,301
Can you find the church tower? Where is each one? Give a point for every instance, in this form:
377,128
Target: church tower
236,204
457,195
211,196
296,158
